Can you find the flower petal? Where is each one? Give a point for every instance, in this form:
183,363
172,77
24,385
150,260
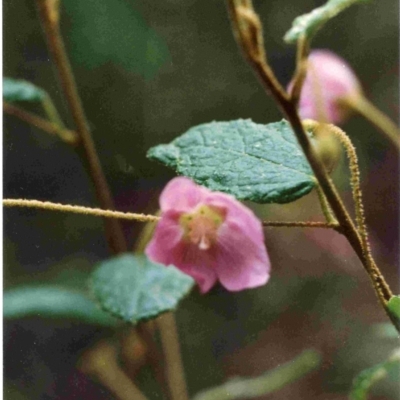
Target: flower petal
181,194
242,261
199,264
166,237
237,212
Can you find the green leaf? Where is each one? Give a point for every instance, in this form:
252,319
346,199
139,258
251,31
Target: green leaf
394,306
20,90
132,288
261,163
249,388
363,382
103,31
309,24
53,302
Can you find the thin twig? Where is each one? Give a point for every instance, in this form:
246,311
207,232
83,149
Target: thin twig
170,342
289,109
48,12
364,107
65,134
97,212
303,48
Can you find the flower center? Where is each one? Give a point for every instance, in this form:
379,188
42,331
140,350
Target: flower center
201,226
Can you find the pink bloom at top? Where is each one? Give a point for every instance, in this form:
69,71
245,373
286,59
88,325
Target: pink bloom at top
329,78
210,236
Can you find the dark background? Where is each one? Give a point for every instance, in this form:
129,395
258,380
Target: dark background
147,71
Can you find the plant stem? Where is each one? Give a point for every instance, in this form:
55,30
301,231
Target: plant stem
97,212
65,134
289,110
170,342
364,107
302,224
101,362
48,13
150,219
303,48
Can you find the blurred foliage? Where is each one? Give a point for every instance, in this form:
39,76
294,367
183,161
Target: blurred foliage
363,382
52,302
309,24
20,90
103,31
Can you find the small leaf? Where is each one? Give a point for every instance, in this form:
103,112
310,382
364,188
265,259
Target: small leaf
363,382
249,388
261,163
309,24
20,90
132,288
53,302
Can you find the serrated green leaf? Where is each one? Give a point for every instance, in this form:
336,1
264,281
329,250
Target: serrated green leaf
133,288
308,24
249,388
104,31
20,90
363,382
53,302
261,163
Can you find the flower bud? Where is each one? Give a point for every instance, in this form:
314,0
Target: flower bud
328,80
325,143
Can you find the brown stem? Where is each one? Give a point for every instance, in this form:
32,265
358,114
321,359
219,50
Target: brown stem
67,135
170,342
101,362
154,355
289,109
303,224
49,17
303,48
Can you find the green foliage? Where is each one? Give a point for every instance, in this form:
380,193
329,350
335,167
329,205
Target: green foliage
309,24
132,288
261,163
249,388
385,330
101,31
53,301
393,306
20,90
363,382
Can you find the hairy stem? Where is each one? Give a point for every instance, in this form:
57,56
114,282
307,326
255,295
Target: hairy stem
48,12
289,110
150,219
66,135
97,212
170,342
302,224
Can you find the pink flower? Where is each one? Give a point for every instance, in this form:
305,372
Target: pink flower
329,78
209,236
